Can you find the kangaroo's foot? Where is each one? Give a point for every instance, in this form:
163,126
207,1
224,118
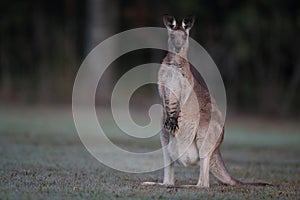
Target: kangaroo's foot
157,184
173,186
192,186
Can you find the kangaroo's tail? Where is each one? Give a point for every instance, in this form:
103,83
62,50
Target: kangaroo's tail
218,169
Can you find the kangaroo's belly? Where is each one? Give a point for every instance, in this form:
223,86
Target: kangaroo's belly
182,153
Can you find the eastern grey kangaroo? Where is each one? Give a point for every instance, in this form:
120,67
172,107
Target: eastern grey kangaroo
187,108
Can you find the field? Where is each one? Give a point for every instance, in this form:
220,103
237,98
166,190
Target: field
42,157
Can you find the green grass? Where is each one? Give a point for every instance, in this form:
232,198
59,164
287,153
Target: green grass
42,158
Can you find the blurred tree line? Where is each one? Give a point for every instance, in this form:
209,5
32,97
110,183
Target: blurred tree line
254,43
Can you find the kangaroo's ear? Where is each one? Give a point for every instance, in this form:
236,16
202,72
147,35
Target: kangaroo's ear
188,22
169,22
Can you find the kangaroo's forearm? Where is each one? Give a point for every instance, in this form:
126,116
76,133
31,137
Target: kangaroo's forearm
171,110
171,104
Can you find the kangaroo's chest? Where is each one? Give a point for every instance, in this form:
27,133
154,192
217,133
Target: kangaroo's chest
175,81
172,76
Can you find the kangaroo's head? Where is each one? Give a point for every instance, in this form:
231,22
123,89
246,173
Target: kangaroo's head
178,33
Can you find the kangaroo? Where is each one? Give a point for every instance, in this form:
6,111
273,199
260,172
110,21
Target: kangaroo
188,109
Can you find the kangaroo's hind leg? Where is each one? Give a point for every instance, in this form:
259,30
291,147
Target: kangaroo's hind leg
168,164
203,180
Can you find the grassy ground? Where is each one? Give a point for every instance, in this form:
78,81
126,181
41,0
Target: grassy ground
42,158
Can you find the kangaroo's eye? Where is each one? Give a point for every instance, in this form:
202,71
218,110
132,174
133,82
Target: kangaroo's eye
184,37
172,36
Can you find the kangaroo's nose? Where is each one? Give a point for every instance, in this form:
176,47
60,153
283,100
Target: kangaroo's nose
177,44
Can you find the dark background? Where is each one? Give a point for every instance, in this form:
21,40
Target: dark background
254,43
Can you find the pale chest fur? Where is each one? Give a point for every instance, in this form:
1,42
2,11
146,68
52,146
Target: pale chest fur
174,80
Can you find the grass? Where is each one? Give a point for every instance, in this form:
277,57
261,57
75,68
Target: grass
42,158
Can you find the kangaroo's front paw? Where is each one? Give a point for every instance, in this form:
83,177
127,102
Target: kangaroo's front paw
171,124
